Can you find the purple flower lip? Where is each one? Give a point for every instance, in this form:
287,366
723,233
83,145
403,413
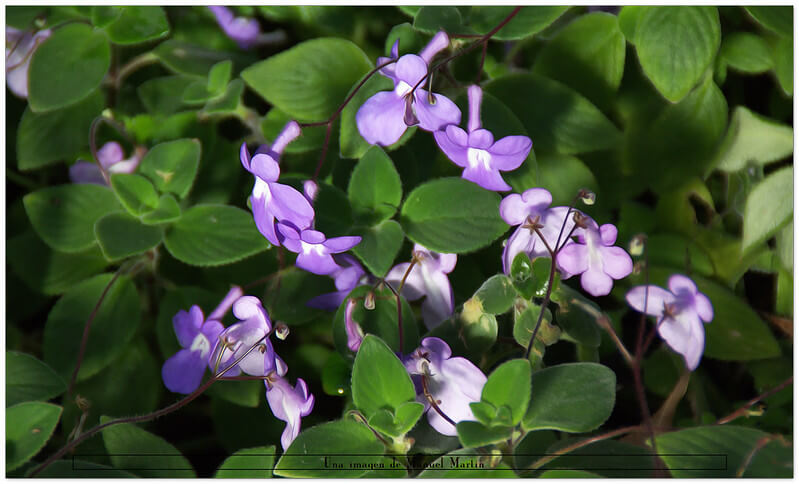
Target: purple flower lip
20,46
680,312
315,251
244,31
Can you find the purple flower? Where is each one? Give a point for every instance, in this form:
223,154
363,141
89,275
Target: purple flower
287,403
111,157
20,46
384,117
453,383
353,329
347,277
428,278
595,257
439,42
271,201
183,371
476,151
314,250
237,339
310,189
529,208
679,312
244,31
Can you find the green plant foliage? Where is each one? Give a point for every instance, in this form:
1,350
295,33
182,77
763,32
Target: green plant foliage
379,380
28,379
252,463
137,24
29,426
753,139
379,246
120,235
375,189
143,453
172,166
768,208
529,21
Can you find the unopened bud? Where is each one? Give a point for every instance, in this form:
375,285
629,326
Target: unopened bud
638,267
580,220
369,301
587,196
637,245
281,331
83,404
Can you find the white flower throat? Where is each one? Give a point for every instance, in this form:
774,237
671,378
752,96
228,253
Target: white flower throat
478,157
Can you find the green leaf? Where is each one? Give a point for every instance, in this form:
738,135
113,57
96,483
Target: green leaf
525,319
102,15
343,442
746,52
406,417
783,64
44,138
769,207
536,100
573,397
628,19
228,102
586,55
163,95
167,210
778,19
564,176
137,24
310,139
29,379
188,59
379,379
431,19
577,317
134,192
529,21
64,216
29,426
67,67
48,271
112,329
219,76
379,246
676,45
724,451
310,80
753,139
509,385
375,189
211,235
452,215
380,321
496,295
475,434
333,211
143,453
297,287
252,463
785,246
172,166
121,235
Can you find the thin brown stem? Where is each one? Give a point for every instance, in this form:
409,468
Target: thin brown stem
433,402
324,151
745,408
764,441
547,295
605,323
577,445
482,63
399,315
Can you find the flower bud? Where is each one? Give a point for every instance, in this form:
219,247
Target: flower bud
637,244
587,196
281,331
369,300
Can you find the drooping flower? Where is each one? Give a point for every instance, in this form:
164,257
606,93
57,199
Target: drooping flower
271,201
244,31
439,42
596,258
20,46
529,210
111,157
384,117
237,340
452,382
428,278
352,328
476,151
679,314
314,250
347,277
310,189
287,403
183,371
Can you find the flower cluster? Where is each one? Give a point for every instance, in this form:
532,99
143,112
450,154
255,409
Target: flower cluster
243,347
384,117
284,215
543,230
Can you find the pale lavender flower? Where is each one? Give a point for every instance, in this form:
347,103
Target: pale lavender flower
527,209
347,277
288,403
271,201
679,312
112,160
352,328
384,117
183,372
20,46
310,189
314,250
476,151
237,339
595,257
454,383
244,31
428,279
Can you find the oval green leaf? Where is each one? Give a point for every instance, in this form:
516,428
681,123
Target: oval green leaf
29,379
172,166
252,463
379,246
379,379
769,207
142,453
137,24
529,21
29,426
509,385
121,235
375,189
